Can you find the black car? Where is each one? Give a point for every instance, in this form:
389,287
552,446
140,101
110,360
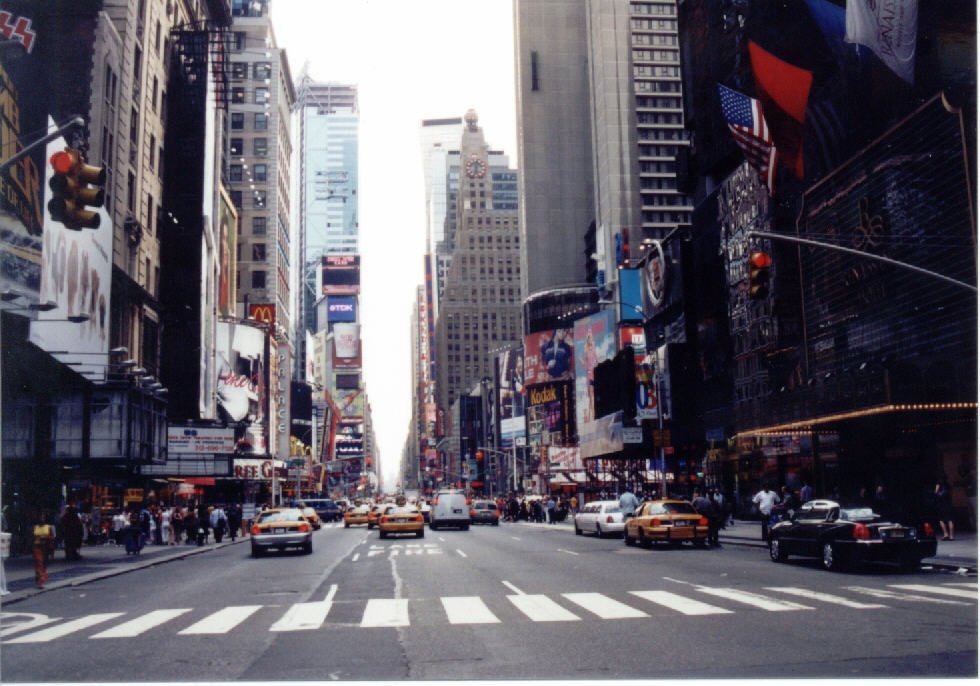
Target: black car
328,510
847,535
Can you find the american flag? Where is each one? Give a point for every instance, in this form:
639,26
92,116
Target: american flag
744,116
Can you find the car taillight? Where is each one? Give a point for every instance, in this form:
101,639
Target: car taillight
472,512
861,532
304,526
655,522
609,519
928,530
418,518
384,519
703,521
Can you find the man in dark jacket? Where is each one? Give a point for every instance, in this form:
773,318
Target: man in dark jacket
73,532
203,521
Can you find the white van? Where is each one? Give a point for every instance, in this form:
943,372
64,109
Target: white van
449,508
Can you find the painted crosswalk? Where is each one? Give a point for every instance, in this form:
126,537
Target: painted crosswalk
682,600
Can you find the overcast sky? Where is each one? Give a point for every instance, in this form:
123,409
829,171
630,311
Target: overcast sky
426,59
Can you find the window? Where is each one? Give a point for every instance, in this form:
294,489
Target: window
236,147
258,279
237,121
239,70
534,70
156,92
259,172
260,147
259,199
131,193
258,252
238,96
150,214
261,121
258,226
153,152
236,198
261,95
238,40
235,172
263,70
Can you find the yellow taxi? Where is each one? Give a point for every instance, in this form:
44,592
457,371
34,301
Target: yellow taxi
401,519
376,511
356,515
312,517
672,521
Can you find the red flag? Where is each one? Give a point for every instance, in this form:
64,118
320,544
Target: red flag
784,90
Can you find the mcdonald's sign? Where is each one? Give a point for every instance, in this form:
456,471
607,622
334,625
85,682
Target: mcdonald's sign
263,312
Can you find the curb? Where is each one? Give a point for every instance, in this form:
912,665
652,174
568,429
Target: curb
114,570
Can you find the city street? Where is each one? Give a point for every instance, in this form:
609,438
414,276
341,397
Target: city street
518,601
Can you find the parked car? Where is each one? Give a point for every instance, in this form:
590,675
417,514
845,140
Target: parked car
401,519
358,514
450,508
281,528
600,517
671,521
843,536
484,512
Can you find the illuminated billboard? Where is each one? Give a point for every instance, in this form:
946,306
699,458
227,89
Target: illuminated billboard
340,274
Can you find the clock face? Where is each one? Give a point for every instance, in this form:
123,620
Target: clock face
476,168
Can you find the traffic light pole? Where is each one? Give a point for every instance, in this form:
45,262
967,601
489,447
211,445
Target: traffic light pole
8,163
861,253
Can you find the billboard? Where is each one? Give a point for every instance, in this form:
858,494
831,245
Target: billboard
550,413
182,440
227,246
241,382
263,312
346,346
341,308
340,274
595,342
512,395
549,356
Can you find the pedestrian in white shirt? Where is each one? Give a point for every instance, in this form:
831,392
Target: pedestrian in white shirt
765,499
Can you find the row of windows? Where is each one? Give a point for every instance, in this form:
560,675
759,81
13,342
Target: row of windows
672,56
666,9
658,150
660,135
654,24
260,172
659,118
261,71
260,95
649,101
260,147
656,70
260,121
650,217
258,199
653,39
659,86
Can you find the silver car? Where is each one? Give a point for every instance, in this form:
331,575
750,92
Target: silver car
600,517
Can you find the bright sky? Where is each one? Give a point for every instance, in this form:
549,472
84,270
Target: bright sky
427,59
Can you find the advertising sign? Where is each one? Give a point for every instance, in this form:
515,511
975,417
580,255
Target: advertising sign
341,308
346,345
186,439
551,408
565,458
350,403
263,312
601,437
227,245
340,274
652,381
512,396
549,356
595,342
258,469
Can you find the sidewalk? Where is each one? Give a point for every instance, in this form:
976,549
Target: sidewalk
98,562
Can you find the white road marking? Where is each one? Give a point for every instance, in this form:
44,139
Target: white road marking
222,621
135,627
385,612
512,587
753,599
680,603
541,608
356,557
54,632
10,625
461,553
892,595
604,606
306,616
955,592
570,552
824,597
468,610
515,538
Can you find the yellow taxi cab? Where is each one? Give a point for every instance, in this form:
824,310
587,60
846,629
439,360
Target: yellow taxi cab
376,511
281,528
313,518
356,515
401,518
673,521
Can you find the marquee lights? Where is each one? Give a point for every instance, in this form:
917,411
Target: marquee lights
855,414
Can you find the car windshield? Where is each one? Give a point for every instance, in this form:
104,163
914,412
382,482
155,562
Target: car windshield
671,508
403,509
610,508
280,516
857,514
483,506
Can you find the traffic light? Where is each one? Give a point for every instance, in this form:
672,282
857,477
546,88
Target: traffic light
479,456
71,190
759,264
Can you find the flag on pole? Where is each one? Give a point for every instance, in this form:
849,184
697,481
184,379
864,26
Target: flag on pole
889,28
748,125
784,90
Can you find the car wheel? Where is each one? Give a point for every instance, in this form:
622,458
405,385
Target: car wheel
910,564
382,534
256,551
776,552
627,539
578,531
598,530
465,527
644,541
496,522
830,557
308,548
433,527
420,533
346,525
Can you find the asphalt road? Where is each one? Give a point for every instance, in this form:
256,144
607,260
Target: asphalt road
516,601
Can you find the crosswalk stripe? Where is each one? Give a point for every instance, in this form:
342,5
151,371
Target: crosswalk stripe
385,612
893,595
67,628
540,608
753,599
680,603
135,627
824,597
467,610
604,606
222,621
939,590
303,616
963,585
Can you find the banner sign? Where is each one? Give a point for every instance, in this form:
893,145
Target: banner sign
187,439
549,356
341,308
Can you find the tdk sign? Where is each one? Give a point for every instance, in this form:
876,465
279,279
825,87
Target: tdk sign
342,308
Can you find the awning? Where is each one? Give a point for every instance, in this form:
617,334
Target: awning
577,477
200,480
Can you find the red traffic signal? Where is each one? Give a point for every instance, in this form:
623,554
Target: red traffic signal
759,265
71,190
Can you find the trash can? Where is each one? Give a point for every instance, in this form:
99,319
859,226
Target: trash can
134,540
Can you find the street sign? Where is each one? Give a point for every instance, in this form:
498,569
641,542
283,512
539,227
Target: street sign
633,434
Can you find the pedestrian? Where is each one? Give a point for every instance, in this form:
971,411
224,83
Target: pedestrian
190,526
944,508
628,503
573,503
72,532
119,524
523,512
166,527
203,522
43,541
806,492
234,520
157,513
218,522
145,523
721,506
709,510
764,500
551,509
177,523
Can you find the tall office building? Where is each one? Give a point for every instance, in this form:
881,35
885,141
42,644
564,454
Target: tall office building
480,306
